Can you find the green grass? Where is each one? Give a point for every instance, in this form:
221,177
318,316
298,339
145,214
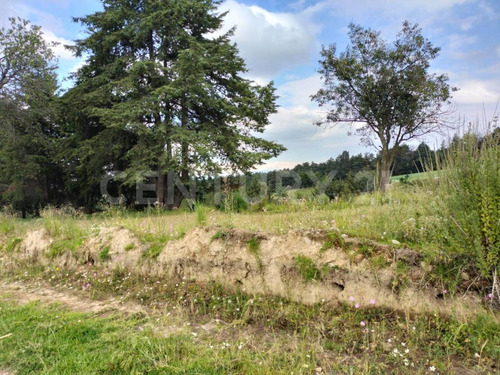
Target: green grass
129,247
413,176
307,268
253,246
260,335
334,240
104,254
154,250
13,244
61,246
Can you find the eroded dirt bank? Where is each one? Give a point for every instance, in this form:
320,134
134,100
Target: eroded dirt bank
306,266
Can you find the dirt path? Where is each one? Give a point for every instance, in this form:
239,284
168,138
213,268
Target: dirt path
22,293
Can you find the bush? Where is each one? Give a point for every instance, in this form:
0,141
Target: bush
234,202
469,189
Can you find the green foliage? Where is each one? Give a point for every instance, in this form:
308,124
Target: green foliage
154,250
129,247
254,248
104,254
169,99
334,239
253,245
13,244
6,226
400,280
201,214
234,202
385,86
220,235
469,191
307,268
379,262
366,248
61,246
27,114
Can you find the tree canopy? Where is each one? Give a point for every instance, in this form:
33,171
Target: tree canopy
27,87
165,95
385,90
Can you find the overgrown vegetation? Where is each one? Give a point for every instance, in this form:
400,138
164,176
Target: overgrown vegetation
468,184
370,340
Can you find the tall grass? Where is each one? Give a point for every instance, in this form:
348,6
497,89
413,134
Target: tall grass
469,192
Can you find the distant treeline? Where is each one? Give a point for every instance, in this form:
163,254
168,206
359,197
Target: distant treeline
342,176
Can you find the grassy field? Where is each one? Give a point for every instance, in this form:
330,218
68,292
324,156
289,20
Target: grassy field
373,216
246,334
413,176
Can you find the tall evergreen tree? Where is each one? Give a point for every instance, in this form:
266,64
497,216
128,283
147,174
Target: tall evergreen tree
27,86
166,95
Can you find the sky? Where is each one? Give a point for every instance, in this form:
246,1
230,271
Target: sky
281,41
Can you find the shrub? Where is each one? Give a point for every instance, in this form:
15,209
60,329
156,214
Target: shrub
469,189
234,202
201,214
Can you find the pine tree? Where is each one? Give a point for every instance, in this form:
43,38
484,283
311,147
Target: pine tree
168,94
27,87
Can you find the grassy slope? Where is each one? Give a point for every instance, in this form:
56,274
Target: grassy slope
332,339
259,336
367,216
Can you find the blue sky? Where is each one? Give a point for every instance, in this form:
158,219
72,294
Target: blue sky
281,40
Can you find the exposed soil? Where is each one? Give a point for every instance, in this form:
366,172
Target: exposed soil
270,267
25,293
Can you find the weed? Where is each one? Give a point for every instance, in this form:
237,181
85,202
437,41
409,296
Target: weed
129,247
366,248
59,247
253,245
379,262
307,268
334,239
104,254
468,191
220,235
13,244
400,280
201,214
154,250
6,226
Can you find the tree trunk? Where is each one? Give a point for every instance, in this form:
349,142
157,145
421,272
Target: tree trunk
160,187
184,175
385,170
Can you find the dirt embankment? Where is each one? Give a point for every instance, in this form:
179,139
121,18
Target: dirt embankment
307,266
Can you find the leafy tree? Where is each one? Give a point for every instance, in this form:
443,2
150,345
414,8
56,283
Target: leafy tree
384,89
167,94
27,86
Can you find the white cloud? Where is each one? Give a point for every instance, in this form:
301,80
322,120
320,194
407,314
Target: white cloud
51,26
354,8
59,50
270,42
294,127
476,92
298,92
275,165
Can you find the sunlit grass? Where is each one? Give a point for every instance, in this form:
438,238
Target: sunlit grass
402,214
